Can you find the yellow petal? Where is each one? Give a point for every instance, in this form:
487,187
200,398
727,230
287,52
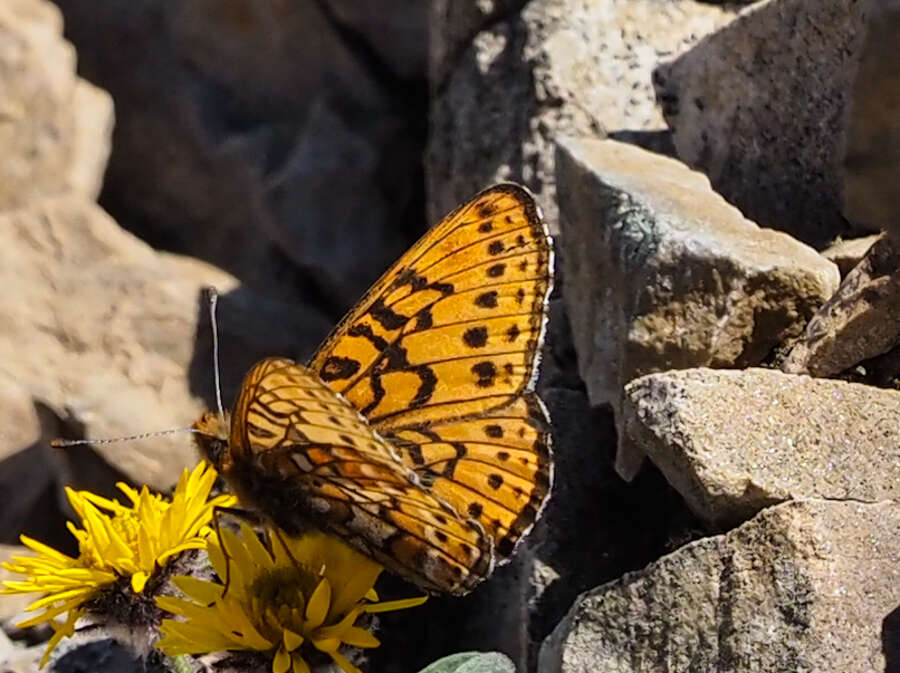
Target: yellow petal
199,590
402,604
300,666
328,645
292,640
319,602
41,548
282,661
139,581
358,637
60,631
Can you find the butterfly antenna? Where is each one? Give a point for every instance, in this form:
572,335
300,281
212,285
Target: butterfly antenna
213,296
62,443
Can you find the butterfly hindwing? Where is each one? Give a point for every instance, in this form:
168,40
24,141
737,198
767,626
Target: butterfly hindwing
496,469
309,457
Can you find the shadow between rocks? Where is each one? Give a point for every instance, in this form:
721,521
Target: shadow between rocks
890,641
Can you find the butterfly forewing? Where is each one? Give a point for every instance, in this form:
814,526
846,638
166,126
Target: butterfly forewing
457,321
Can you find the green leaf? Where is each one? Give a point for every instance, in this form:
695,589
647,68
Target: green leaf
472,662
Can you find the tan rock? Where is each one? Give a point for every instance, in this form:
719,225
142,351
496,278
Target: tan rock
861,320
734,442
662,273
760,107
804,586
12,605
104,330
510,81
55,129
849,252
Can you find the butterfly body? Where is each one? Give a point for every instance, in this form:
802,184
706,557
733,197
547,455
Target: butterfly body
414,434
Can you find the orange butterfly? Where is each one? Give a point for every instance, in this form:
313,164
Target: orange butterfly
414,433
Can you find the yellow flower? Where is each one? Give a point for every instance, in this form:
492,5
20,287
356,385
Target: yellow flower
121,548
286,600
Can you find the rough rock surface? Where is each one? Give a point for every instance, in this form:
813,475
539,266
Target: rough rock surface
760,107
734,442
55,127
804,586
506,89
848,253
861,320
662,273
872,155
255,135
112,326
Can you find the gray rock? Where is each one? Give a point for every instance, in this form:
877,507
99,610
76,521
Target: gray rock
804,586
530,73
215,104
871,166
848,253
861,320
734,442
395,30
662,273
760,107
314,231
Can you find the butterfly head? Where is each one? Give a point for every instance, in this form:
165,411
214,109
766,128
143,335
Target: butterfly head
211,433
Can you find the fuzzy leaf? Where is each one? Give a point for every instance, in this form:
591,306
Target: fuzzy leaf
472,662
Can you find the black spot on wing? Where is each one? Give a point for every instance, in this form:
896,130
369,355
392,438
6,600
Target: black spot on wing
475,337
336,368
428,382
496,270
365,331
487,299
387,317
486,372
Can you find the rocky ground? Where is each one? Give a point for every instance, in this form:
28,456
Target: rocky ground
723,362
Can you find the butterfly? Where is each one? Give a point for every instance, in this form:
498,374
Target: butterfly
414,432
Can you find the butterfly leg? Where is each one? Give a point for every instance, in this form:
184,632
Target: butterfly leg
251,517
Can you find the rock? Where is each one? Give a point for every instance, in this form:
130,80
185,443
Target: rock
804,586
220,126
871,166
394,30
594,528
734,442
861,321
760,107
31,497
329,151
12,606
662,273
848,253
102,329
54,127
510,80
17,659
453,25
